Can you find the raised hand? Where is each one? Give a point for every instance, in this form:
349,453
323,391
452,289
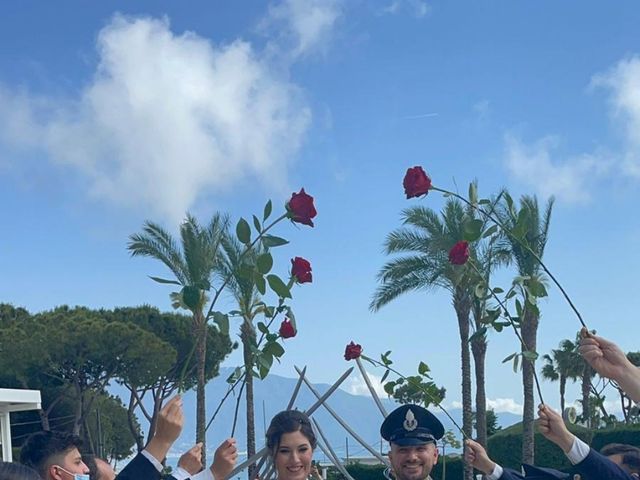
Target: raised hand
476,456
224,459
552,426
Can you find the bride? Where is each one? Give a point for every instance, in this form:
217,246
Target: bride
291,442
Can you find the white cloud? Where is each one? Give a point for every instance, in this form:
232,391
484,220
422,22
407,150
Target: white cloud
357,386
304,26
165,118
417,8
498,405
509,405
623,83
570,180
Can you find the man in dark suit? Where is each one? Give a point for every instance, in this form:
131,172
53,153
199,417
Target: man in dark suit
619,462
147,465
589,463
476,456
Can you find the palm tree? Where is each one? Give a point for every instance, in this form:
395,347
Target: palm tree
426,240
564,363
192,266
534,225
244,291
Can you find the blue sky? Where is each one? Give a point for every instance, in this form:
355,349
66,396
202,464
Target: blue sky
116,112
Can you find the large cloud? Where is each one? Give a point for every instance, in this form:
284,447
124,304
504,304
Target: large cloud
623,83
569,179
166,117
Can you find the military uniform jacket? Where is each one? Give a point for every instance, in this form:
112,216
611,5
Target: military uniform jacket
596,466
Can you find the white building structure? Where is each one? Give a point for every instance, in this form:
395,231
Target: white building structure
12,400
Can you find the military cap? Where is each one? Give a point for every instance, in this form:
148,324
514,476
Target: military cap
411,425
532,472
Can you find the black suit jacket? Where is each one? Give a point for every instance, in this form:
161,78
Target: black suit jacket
596,466
140,468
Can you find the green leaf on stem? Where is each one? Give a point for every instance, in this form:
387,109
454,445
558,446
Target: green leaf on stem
516,363
272,241
243,231
472,229
222,321
473,193
519,307
274,348
389,387
509,357
529,355
261,285
267,210
256,223
264,263
265,359
423,369
536,287
384,377
278,286
478,334
262,328
162,280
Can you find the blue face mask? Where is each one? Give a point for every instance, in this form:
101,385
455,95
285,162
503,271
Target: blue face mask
76,476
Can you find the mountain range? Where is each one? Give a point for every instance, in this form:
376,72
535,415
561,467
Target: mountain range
272,395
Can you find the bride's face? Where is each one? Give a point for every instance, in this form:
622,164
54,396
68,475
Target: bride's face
293,457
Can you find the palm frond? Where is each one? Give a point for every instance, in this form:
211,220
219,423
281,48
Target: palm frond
155,242
404,240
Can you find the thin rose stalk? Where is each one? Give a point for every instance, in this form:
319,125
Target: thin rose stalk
523,244
241,377
515,330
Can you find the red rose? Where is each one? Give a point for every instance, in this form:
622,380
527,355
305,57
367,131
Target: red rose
286,329
352,351
301,269
459,253
301,209
416,182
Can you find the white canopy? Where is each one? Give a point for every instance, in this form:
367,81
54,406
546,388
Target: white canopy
13,400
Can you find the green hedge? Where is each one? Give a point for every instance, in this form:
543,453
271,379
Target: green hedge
505,447
454,468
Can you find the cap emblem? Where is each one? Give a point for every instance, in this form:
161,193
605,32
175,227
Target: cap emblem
410,423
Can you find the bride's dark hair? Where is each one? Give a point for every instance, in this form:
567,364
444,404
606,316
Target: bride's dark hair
289,421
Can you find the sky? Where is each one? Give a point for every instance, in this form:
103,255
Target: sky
113,113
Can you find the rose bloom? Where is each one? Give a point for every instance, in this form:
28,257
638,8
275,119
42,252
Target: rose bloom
352,351
286,329
459,253
301,209
301,269
416,182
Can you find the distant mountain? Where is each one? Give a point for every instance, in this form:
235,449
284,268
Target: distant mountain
272,395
